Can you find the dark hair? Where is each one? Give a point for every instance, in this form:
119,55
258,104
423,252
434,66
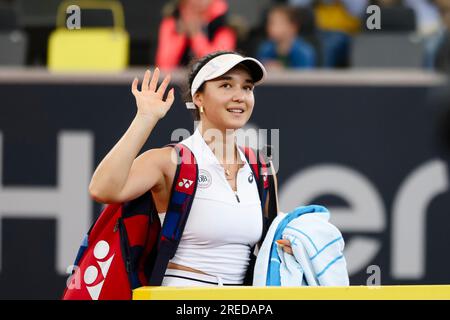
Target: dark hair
194,67
292,13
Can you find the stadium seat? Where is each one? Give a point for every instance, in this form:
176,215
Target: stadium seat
396,19
14,48
37,19
32,13
97,18
142,20
13,41
89,48
8,18
387,50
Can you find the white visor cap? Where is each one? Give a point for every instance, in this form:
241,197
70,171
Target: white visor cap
221,65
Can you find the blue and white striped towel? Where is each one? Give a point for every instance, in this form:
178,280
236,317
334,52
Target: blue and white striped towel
317,247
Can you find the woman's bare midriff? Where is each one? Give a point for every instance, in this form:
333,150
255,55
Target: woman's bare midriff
172,265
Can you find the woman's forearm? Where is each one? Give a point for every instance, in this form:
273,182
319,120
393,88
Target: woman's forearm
111,174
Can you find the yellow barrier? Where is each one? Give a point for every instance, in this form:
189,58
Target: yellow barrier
421,292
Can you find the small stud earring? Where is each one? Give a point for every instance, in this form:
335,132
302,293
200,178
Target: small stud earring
201,109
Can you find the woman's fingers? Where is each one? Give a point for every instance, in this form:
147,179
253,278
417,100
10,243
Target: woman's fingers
284,242
170,97
285,245
144,86
163,86
150,82
134,85
288,250
154,80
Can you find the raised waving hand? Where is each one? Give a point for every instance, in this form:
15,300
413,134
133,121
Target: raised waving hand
149,99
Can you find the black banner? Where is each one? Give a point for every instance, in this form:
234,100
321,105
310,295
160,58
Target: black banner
374,155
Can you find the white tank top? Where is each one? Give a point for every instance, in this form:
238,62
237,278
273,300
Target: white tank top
222,226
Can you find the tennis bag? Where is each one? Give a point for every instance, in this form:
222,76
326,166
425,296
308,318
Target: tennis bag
127,248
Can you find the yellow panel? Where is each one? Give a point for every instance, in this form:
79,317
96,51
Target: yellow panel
89,49
434,292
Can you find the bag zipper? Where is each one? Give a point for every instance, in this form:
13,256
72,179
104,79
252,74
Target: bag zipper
124,244
237,197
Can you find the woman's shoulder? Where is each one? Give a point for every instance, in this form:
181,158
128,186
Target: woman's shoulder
168,152
164,158
160,153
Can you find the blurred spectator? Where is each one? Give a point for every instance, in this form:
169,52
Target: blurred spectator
427,15
337,21
442,5
284,48
193,28
387,3
336,15
429,27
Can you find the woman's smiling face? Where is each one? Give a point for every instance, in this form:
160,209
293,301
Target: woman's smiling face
228,100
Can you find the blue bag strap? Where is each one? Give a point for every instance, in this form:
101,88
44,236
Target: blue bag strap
260,171
181,197
265,186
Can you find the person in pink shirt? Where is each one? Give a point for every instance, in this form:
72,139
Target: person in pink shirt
193,28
